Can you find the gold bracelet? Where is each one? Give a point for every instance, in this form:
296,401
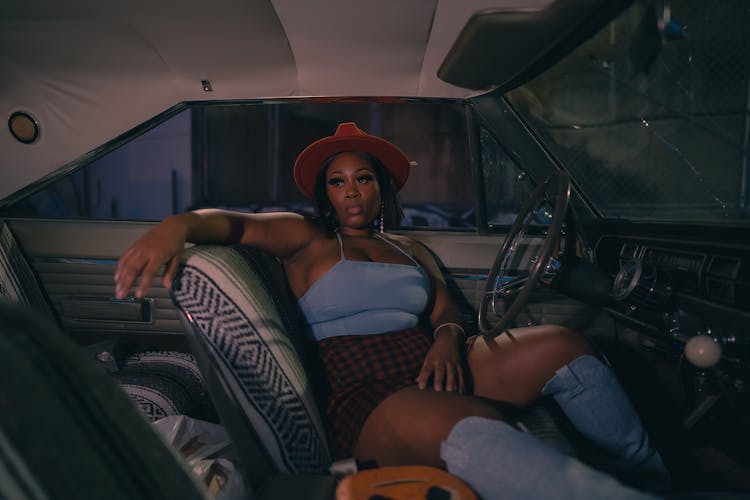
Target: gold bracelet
455,334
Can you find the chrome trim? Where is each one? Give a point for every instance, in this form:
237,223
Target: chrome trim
75,260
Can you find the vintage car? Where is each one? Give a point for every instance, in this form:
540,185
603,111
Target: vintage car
579,162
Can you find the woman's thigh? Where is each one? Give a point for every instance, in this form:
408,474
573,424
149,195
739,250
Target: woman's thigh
408,427
514,370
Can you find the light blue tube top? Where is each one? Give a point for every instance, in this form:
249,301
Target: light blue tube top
362,297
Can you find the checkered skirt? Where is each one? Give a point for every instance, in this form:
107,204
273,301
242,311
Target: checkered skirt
361,371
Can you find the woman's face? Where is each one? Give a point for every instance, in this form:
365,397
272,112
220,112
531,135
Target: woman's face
353,191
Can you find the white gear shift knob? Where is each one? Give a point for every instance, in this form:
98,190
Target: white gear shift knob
703,351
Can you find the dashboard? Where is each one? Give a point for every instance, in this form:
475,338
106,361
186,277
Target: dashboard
688,300
677,290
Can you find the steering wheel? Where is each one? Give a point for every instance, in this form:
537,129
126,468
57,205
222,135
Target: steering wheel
543,267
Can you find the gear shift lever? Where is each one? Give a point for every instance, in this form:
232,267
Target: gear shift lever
702,351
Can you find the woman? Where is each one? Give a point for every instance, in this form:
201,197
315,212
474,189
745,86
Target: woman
389,335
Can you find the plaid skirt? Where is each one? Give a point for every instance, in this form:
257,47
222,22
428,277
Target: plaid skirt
363,370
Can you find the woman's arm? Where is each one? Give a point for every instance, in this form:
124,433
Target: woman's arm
281,234
444,361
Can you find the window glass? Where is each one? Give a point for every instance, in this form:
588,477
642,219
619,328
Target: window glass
506,186
240,156
650,117
145,179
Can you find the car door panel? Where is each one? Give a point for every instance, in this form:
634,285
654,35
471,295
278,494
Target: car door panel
75,263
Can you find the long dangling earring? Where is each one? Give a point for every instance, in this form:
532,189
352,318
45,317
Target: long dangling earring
382,216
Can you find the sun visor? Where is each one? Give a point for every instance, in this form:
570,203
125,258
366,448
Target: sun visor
507,47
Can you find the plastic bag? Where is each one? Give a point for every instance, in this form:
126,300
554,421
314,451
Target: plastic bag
207,449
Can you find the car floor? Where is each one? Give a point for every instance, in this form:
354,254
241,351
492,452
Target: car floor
701,428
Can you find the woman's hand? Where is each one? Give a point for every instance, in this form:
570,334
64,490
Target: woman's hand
160,246
444,363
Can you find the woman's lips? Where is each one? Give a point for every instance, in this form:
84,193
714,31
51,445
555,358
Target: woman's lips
356,210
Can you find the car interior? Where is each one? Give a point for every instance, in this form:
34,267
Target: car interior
574,162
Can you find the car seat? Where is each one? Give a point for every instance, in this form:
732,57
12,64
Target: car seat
248,339
261,368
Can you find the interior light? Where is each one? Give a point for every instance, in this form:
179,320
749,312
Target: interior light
24,127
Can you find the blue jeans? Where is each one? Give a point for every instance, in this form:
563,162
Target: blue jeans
592,398
500,462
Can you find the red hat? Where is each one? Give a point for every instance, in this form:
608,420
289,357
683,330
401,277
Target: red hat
348,137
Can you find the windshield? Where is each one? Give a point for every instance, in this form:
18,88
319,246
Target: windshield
650,117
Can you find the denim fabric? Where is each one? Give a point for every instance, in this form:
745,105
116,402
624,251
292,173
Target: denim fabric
500,462
589,394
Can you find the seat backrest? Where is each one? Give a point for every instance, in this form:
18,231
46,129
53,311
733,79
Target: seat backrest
248,337
18,283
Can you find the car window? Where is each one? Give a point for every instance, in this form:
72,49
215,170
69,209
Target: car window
240,156
650,116
506,186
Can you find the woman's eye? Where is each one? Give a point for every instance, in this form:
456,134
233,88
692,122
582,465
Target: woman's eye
335,181
363,179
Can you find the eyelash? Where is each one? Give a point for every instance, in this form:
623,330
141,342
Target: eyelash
362,179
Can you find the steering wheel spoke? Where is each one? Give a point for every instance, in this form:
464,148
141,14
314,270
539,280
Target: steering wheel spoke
505,289
509,285
514,290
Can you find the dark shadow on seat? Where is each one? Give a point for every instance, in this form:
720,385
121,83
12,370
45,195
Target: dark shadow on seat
66,428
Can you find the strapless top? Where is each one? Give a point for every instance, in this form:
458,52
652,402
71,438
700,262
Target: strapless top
363,297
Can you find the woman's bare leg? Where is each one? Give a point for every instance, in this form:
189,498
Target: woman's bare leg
408,427
514,370
560,363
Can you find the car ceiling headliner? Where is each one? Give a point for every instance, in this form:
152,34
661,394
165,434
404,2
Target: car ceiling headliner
90,70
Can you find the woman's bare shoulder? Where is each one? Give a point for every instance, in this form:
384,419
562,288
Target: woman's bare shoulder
400,239
406,242
419,251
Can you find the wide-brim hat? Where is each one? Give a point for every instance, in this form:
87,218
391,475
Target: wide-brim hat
348,137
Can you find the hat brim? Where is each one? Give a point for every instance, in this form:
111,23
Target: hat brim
308,163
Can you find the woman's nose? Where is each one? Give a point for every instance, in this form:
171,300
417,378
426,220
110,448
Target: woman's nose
352,191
